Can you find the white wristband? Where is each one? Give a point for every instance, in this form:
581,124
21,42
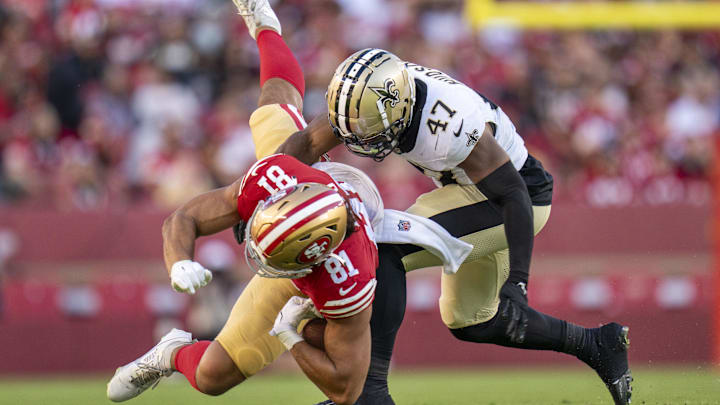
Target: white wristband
290,338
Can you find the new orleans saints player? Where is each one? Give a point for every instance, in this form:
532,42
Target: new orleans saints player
490,193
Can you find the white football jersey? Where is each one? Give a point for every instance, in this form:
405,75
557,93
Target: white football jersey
448,121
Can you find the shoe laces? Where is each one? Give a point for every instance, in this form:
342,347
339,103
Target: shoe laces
246,11
147,374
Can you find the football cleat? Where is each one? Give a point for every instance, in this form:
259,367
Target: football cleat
612,361
133,378
257,13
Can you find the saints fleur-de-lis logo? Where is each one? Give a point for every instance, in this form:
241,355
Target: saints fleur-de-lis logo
387,93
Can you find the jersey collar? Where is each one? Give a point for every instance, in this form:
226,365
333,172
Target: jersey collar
409,136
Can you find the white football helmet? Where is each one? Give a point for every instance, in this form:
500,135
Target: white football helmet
370,102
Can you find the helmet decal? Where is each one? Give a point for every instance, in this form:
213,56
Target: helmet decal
388,93
315,250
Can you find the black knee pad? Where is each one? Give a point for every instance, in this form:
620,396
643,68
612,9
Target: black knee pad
506,328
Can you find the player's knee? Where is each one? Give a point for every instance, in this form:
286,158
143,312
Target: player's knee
480,333
507,327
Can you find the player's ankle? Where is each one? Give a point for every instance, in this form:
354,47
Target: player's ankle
260,29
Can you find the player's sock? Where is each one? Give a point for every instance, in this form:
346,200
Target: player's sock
188,358
518,325
277,60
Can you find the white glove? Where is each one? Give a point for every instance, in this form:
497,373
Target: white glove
187,276
287,321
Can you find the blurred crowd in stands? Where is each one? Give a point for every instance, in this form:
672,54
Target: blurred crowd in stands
109,103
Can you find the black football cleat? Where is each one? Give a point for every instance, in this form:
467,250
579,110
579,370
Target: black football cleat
611,361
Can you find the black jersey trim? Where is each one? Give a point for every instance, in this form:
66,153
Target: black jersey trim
539,182
409,136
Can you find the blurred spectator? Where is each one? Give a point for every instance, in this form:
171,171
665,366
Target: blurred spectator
107,102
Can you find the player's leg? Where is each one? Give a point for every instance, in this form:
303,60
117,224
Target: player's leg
207,367
471,304
243,347
388,314
513,323
282,85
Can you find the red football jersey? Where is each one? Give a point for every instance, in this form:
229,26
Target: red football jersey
338,288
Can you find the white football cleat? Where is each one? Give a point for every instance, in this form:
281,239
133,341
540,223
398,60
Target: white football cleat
133,378
257,13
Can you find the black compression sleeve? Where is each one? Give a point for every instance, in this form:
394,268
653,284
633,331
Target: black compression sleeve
506,189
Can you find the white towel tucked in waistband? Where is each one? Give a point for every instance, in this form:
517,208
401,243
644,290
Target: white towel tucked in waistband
397,227
400,227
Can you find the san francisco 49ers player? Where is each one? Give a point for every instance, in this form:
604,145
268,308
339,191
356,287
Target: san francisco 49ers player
309,239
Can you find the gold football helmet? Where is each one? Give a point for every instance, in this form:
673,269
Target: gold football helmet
295,229
370,102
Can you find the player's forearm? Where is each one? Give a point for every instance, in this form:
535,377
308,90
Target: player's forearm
506,188
340,386
179,234
310,143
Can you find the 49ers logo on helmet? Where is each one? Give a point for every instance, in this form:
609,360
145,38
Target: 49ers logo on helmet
315,250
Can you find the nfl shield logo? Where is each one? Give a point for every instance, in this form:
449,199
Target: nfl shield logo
403,225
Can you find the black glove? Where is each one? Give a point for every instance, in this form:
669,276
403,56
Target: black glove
516,292
513,305
239,232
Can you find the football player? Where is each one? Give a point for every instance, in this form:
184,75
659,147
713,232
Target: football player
490,193
309,239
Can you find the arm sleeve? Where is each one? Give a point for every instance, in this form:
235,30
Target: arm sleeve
505,188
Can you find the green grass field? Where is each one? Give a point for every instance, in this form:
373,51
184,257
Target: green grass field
538,386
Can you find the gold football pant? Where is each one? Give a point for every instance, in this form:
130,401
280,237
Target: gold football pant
470,296
245,335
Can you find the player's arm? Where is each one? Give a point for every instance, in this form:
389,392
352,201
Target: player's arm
309,144
205,214
340,370
490,168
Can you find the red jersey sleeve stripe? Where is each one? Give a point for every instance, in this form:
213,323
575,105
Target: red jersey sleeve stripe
341,303
359,303
355,312
294,115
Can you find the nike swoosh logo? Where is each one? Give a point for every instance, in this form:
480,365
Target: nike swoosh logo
254,170
343,291
457,134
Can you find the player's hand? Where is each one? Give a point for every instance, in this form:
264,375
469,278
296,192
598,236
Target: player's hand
514,291
287,321
187,276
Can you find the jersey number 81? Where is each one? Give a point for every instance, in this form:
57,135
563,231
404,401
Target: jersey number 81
336,269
